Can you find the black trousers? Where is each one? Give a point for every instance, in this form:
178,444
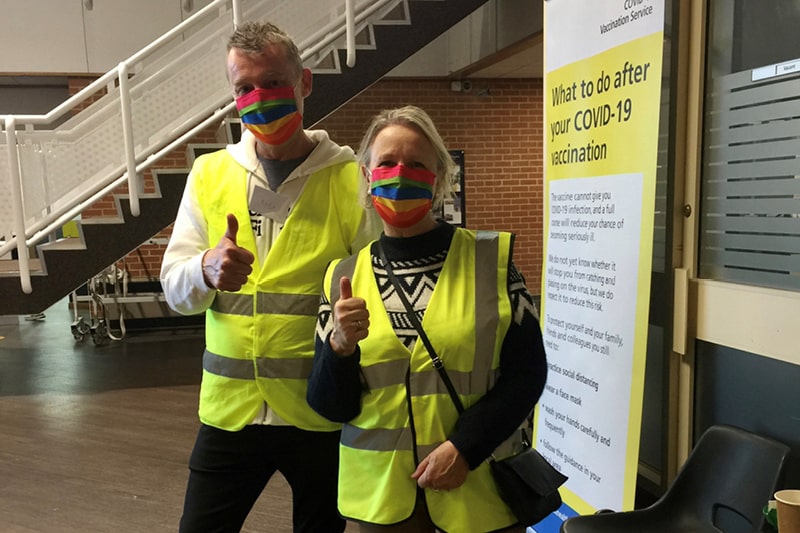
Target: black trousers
229,470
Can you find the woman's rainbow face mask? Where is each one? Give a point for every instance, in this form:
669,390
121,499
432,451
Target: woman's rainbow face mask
270,114
402,196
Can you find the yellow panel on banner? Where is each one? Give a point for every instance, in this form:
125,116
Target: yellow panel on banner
602,113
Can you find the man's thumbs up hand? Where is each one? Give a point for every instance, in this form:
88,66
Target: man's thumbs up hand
233,228
226,266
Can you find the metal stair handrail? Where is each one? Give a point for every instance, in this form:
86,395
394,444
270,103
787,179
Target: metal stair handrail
115,123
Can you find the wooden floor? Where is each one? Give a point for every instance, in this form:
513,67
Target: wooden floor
97,438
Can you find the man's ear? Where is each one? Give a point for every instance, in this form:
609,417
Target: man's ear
307,82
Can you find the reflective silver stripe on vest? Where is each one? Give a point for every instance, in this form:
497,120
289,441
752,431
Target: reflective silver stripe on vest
424,383
385,374
345,267
287,304
297,368
383,440
486,298
266,303
379,440
227,367
233,304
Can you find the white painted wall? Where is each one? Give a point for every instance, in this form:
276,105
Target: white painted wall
79,37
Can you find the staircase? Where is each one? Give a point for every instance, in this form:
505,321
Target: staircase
385,38
65,264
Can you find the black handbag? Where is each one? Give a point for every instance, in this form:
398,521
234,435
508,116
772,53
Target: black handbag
528,484
526,481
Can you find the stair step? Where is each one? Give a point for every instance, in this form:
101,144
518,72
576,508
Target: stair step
67,243
10,267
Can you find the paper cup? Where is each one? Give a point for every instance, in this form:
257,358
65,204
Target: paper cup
788,510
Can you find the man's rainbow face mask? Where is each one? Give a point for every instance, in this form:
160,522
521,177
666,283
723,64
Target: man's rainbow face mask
270,114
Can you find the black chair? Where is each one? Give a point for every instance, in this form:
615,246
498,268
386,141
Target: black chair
729,477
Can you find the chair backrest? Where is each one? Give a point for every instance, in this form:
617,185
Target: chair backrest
729,477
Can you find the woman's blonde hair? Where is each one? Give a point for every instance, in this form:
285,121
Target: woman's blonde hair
446,170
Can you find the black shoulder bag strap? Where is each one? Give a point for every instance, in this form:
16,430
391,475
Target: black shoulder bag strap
437,362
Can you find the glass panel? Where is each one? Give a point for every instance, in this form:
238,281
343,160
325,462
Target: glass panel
750,225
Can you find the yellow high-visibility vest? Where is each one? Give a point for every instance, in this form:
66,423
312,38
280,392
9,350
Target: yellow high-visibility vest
260,340
466,320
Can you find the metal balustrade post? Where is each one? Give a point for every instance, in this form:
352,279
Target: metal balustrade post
19,207
134,182
237,13
350,24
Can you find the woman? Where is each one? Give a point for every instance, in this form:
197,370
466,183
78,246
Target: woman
408,461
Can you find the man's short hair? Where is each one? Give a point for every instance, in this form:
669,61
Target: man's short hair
251,37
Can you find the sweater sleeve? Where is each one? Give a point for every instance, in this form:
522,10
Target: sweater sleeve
523,371
334,386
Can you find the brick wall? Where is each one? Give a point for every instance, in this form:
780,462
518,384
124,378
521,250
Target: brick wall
498,125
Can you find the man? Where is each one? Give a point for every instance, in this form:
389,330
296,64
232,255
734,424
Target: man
259,285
